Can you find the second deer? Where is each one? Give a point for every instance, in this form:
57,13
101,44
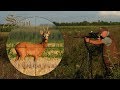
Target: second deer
24,49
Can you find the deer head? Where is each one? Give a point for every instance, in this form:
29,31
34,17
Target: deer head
45,34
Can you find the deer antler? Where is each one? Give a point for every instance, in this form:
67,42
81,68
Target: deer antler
47,28
43,28
41,32
48,32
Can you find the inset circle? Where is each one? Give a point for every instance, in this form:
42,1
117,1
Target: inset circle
35,50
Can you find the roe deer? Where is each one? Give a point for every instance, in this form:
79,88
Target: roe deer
24,49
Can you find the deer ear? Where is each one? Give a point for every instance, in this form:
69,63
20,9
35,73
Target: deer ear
41,32
48,32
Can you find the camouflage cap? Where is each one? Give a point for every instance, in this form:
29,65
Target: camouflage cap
101,29
104,29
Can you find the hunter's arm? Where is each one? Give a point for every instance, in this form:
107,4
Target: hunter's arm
95,41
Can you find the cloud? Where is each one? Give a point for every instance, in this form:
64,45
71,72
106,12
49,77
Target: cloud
109,13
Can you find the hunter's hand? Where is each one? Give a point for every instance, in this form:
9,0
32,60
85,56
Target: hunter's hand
87,39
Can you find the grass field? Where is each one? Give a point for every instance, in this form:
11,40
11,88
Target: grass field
42,66
74,62
75,51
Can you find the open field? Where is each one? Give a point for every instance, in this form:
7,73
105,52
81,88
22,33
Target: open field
74,62
39,67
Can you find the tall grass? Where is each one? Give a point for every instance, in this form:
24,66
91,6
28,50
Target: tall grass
76,54
32,34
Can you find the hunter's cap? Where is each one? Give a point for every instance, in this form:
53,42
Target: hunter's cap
103,29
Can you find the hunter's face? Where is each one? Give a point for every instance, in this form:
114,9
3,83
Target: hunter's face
104,33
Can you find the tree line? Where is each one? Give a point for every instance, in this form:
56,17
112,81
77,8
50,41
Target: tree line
6,28
86,23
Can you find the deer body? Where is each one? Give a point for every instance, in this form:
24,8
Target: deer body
24,49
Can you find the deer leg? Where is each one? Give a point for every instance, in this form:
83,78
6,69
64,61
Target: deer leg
35,63
17,58
22,57
35,58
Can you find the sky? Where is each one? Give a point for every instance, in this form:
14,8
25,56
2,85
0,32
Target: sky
63,16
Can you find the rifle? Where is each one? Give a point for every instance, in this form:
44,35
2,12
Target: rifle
90,35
